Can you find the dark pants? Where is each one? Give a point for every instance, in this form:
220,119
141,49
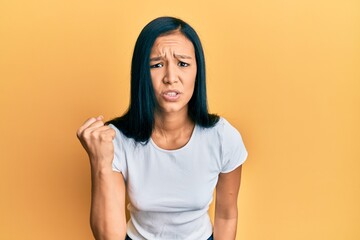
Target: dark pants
128,238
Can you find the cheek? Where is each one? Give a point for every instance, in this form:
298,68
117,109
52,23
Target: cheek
189,87
192,78
156,81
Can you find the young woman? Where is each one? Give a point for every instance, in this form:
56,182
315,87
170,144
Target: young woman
167,152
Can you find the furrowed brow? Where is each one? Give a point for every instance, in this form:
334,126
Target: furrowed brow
182,56
156,59
179,56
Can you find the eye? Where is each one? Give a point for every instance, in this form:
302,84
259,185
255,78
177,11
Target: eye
158,65
183,64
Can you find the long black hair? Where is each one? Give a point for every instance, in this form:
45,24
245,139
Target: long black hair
138,121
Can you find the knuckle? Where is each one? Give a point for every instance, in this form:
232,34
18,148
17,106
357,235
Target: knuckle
87,134
78,133
104,136
112,133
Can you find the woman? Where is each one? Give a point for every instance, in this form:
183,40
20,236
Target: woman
166,151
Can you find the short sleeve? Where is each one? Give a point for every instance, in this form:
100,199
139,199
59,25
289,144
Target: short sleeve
119,161
234,152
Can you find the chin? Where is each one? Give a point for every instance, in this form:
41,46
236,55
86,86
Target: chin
172,109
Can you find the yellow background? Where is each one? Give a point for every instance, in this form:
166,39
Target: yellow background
286,73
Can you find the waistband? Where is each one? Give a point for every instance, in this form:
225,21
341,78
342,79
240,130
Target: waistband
210,238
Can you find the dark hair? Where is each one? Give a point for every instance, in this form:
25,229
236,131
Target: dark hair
138,121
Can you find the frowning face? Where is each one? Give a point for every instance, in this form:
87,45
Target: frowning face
173,72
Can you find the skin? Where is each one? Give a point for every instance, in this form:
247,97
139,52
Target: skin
226,211
173,69
107,216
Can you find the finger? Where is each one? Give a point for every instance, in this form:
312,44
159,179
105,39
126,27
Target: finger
85,125
91,120
91,123
101,129
110,131
100,117
107,133
105,129
95,125
102,133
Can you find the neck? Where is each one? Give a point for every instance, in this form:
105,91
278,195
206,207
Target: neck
172,122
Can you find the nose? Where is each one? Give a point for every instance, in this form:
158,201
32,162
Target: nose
171,75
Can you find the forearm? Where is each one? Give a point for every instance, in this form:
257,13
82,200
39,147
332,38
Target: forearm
107,215
225,223
226,211
225,228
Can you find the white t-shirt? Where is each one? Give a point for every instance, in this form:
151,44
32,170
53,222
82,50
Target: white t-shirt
170,190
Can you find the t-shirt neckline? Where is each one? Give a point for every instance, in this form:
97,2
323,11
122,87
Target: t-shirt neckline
179,149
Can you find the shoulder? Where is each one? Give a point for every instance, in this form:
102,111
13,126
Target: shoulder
224,129
223,133
232,148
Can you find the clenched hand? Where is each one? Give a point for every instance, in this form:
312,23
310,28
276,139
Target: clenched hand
96,138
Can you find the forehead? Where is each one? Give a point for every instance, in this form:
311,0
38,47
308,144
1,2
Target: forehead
175,41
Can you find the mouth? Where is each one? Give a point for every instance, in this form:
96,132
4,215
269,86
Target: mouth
171,95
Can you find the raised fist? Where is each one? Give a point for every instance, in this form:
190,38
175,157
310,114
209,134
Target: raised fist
97,139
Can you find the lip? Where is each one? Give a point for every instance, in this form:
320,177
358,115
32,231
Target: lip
169,96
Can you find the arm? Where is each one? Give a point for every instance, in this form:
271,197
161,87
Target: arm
107,217
226,212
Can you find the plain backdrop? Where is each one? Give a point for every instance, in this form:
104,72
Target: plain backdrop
285,73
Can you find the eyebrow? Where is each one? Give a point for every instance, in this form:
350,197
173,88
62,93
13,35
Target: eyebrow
181,56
